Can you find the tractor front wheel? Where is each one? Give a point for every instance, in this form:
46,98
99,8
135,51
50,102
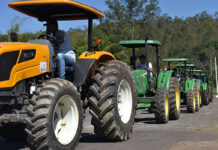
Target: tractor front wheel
206,99
55,116
174,99
191,101
161,106
112,101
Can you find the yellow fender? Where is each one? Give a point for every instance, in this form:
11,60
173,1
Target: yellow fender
87,64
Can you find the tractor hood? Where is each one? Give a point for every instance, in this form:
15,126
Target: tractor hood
12,46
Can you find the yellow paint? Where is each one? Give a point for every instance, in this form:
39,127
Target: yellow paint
100,56
177,99
15,5
166,106
26,69
194,104
198,101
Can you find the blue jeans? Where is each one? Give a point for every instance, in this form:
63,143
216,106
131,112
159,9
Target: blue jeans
62,61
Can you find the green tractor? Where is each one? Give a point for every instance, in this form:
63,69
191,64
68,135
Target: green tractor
189,89
207,95
158,91
190,92
195,74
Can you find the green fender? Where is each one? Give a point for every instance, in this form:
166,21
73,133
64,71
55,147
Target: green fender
164,79
141,84
199,84
204,86
189,85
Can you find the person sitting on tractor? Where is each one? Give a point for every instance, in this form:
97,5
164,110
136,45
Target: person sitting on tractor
175,73
65,53
142,65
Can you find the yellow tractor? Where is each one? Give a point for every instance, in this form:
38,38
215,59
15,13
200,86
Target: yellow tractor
50,109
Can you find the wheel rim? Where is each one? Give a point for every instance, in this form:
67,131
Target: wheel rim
177,99
198,98
166,106
194,105
65,120
124,101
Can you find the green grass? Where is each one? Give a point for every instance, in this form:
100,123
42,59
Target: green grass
198,129
216,127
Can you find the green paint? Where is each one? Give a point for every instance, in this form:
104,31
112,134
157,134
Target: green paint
187,65
204,86
143,106
145,99
174,59
164,79
139,43
141,84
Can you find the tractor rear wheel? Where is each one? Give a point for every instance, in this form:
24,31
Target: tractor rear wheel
112,101
198,97
191,101
161,106
206,100
174,99
54,116
13,132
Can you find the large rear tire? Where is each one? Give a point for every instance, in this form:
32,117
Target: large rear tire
55,116
112,101
174,99
191,101
161,106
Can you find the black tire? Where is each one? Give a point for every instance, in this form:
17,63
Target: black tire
211,95
13,132
197,97
174,99
104,101
191,100
40,115
161,106
206,100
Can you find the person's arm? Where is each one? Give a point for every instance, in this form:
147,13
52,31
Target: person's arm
150,67
60,37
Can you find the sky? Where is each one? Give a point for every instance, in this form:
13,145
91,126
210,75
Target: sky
179,8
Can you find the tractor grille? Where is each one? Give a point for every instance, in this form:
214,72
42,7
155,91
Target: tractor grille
7,62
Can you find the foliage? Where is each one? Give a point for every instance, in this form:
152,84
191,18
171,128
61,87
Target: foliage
194,37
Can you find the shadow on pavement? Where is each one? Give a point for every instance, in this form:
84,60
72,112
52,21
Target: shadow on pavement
5,145
91,138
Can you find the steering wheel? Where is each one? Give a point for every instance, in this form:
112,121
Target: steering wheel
48,37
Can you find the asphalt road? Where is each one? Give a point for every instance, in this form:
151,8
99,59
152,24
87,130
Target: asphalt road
198,131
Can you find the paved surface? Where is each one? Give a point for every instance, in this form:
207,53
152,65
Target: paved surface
198,131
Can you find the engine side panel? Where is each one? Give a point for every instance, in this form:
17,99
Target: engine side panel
24,69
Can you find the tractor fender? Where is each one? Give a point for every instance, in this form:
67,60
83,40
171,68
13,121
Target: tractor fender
189,84
204,86
164,79
86,65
